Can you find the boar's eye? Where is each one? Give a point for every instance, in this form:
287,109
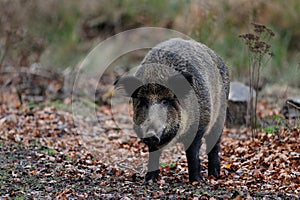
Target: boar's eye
167,101
164,101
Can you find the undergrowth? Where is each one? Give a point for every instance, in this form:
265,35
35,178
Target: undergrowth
59,37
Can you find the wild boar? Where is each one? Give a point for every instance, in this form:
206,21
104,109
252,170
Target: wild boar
179,94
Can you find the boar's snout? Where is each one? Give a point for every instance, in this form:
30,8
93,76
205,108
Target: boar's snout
149,134
153,126
152,131
151,138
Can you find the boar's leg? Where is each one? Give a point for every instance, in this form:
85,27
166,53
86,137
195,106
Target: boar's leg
192,155
213,160
153,166
213,140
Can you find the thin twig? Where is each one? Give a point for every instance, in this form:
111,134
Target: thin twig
294,105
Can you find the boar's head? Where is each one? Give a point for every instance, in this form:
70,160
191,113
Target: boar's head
157,108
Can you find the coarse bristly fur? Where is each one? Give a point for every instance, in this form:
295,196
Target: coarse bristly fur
179,94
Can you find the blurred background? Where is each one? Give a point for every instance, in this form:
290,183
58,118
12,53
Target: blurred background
58,34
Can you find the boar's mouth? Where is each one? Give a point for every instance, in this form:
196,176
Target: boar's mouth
153,140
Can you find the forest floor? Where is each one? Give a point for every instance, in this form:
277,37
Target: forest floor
46,152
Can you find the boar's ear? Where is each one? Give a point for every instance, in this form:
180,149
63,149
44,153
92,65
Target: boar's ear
129,84
180,84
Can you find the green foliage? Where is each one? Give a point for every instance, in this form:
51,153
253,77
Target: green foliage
20,197
271,129
278,122
49,151
57,104
172,165
59,25
155,9
68,158
284,66
278,118
230,47
163,164
59,31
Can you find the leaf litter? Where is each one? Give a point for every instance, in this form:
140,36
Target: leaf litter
48,153
43,154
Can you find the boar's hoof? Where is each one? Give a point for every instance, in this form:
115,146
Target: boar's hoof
214,171
153,175
193,179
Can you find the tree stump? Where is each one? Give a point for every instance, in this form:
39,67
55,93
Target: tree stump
238,102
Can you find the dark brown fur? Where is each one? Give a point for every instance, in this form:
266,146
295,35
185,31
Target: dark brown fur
180,93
